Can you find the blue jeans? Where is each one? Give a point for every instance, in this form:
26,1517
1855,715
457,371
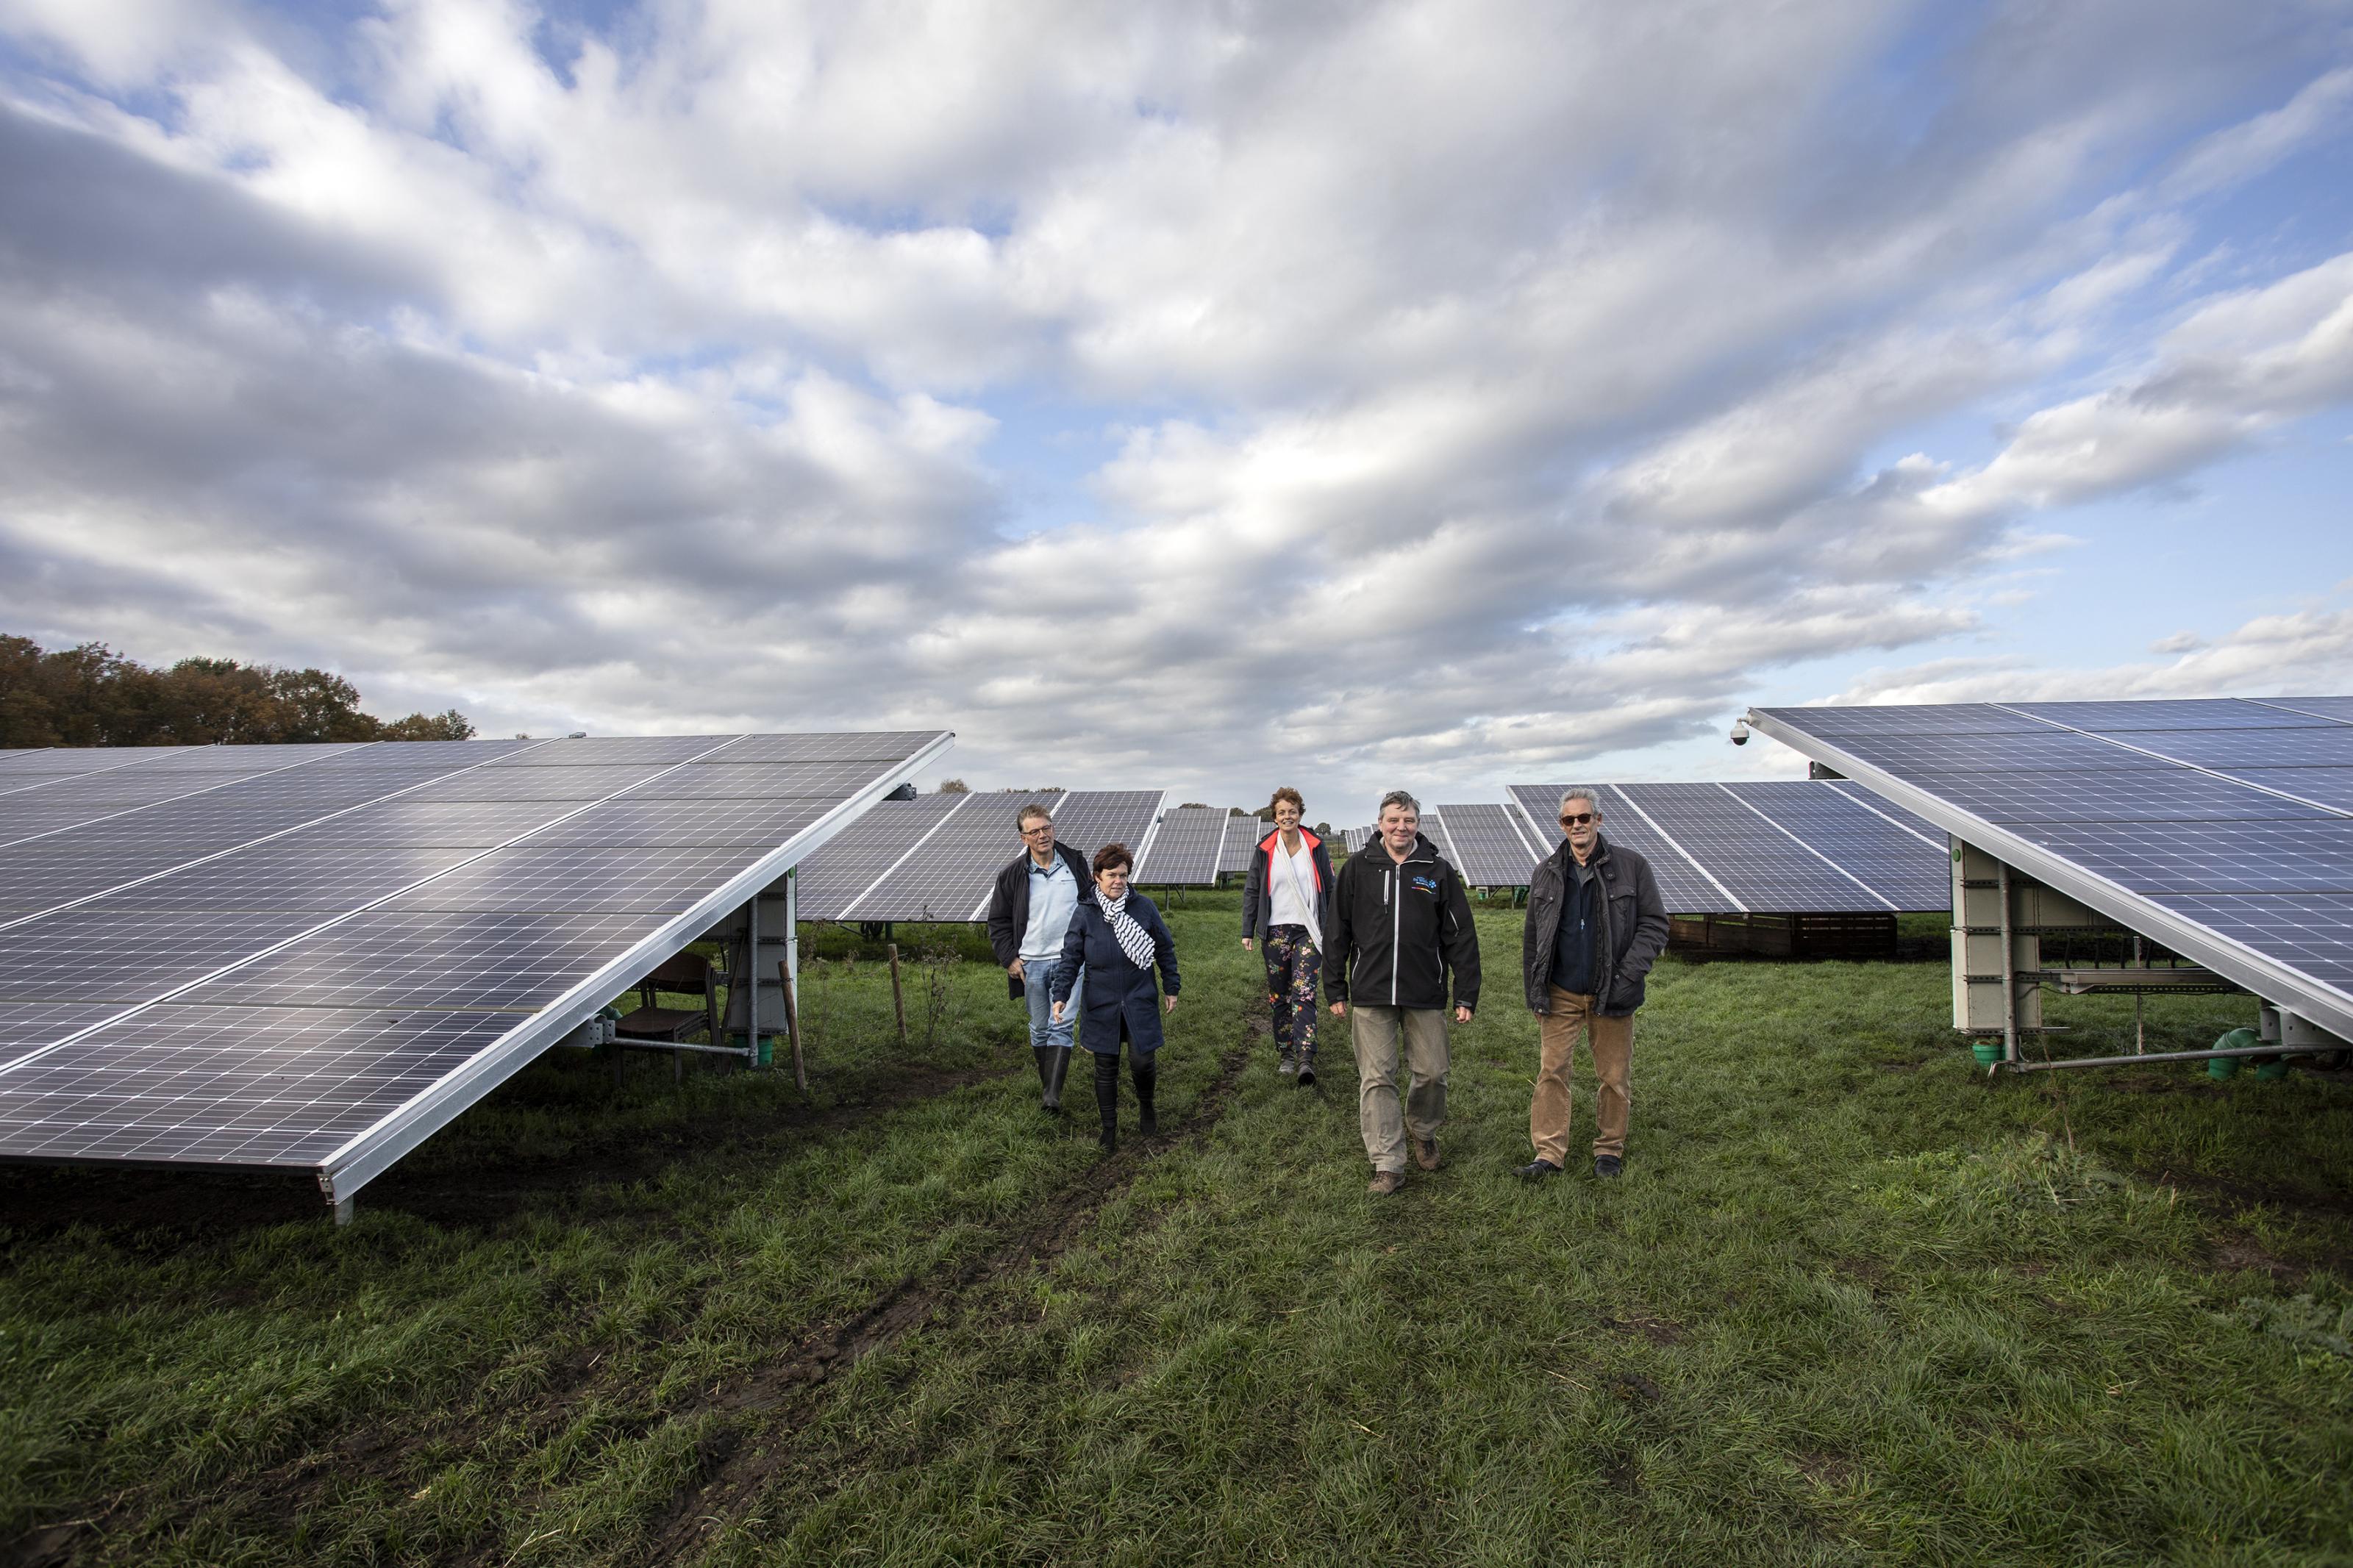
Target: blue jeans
1037,990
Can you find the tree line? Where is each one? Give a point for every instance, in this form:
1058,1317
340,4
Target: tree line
92,696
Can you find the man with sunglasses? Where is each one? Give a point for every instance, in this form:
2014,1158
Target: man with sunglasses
1028,911
1595,924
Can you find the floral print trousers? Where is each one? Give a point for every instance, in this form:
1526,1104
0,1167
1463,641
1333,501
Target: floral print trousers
1291,962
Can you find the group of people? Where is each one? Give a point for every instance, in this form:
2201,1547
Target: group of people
1390,939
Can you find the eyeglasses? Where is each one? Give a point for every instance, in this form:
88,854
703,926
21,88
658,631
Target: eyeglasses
1576,818
1037,832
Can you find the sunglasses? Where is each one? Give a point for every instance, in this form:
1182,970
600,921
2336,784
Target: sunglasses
1576,818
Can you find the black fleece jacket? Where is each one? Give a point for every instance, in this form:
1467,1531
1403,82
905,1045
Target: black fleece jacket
1398,929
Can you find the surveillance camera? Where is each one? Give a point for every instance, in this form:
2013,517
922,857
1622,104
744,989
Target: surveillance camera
1740,732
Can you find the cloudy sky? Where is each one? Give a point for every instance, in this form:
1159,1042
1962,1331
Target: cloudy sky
1207,395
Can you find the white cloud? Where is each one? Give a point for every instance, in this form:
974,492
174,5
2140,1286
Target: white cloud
2306,650
1494,389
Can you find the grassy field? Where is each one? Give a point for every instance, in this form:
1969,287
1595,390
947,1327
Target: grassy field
1849,1303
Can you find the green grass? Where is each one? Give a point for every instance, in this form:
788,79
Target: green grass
1851,1302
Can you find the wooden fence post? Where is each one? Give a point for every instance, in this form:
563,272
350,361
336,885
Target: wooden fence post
793,1023
898,998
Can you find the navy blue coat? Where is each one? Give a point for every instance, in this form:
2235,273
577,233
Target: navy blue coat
1121,1001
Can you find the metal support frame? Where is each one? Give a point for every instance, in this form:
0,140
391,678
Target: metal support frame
2008,975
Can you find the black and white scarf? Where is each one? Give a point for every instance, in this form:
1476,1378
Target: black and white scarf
1133,939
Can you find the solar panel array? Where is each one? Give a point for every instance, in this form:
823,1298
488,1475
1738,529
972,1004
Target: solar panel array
1187,849
1355,838
1780,846
2224,824
936,857
315,956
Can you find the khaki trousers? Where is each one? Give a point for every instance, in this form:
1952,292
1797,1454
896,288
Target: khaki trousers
1612,1043
1377,1033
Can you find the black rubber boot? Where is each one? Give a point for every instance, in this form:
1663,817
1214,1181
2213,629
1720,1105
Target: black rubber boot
1146,1074
1107,1097
1056,1071
1044,1056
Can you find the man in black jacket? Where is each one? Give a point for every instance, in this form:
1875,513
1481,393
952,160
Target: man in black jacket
1595,924
1029,910
1401,922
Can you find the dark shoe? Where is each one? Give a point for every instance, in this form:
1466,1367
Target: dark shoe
1385,1182
1607,1164
1286,1067
1425,1153
1110,1139
1306,1075
1537,1170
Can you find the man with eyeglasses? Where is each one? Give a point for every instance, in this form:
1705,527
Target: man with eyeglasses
1595,924
1028,911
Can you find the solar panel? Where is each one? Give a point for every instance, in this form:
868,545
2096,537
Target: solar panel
329,996
956,864
833,879
1188,848
1089,818
1905,865
1243,835
1686,888
2222,827
1355,838
1486,846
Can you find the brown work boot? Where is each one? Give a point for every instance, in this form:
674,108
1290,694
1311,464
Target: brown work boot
1425,1153
1385,1182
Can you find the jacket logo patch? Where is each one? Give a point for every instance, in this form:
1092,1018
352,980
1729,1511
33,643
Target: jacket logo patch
1426,884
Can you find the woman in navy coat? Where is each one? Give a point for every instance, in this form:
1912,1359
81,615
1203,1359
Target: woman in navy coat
1118,940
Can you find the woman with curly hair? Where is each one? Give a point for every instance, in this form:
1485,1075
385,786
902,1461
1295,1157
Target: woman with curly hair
1287,905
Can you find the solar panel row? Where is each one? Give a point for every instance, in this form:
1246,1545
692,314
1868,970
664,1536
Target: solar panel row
318,962
1780,846
2223,827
